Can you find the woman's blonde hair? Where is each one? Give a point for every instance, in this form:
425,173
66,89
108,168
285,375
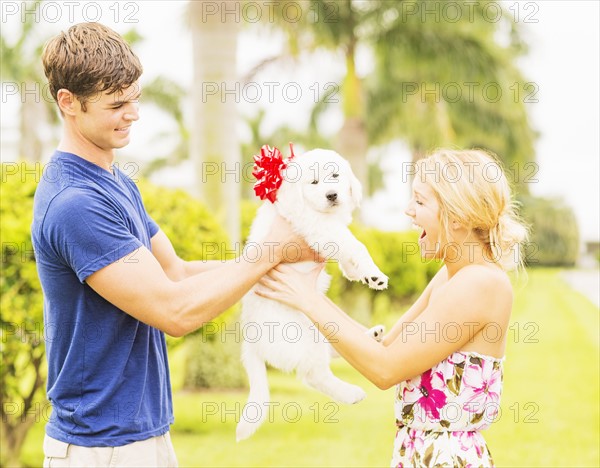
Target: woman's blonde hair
472,189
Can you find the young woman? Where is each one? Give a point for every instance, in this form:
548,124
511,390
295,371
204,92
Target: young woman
446,352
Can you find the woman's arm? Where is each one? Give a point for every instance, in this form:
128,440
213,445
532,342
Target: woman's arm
465,306
408,316
419,306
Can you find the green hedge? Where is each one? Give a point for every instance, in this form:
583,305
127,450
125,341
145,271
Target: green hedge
23,370
212,356
192,229
554,237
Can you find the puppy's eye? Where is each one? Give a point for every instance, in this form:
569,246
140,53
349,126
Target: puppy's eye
335,176
314,182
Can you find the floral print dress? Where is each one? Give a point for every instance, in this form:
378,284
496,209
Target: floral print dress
439,414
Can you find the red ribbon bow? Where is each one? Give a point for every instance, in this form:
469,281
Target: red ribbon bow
267,169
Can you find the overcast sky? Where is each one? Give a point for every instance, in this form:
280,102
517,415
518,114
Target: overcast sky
563,63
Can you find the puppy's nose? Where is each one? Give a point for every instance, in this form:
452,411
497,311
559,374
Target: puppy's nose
331,195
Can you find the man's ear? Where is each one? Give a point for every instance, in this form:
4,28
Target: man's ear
66,101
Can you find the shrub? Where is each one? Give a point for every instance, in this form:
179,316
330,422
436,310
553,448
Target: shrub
554,237
213,355
192,229
23,370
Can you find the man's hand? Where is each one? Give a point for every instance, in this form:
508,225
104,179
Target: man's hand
289,246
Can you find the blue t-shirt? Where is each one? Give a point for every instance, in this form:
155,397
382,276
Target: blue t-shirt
108,374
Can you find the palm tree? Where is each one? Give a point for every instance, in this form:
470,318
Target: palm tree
214,143
168,97
22,68
441,83
334,26
410,50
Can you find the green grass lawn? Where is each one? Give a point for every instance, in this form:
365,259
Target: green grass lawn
549,417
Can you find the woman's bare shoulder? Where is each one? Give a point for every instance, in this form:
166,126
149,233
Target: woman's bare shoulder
488,285
485,274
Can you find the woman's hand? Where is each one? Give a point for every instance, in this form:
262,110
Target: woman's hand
291,287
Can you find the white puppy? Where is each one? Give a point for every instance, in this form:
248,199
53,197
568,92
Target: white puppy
317,196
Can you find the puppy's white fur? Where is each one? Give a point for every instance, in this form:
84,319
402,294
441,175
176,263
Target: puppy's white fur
317,196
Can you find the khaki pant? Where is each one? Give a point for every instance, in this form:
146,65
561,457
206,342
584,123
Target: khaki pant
157,451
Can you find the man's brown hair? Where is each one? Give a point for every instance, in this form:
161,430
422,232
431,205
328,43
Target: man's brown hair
88,59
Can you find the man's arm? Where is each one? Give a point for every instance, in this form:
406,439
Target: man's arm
152,287
178,269
138,285
174,267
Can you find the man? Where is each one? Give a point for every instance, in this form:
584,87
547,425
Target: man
112,282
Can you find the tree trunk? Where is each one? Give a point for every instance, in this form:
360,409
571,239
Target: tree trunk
32,120
214,143
14,426
352,141
12,439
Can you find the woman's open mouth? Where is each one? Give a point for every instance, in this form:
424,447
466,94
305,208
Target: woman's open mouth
423,232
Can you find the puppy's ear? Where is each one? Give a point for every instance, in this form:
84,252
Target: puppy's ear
355,190
289,196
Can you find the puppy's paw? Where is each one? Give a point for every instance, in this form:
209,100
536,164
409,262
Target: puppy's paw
351,269
376,332
376,280
352,394
359,266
